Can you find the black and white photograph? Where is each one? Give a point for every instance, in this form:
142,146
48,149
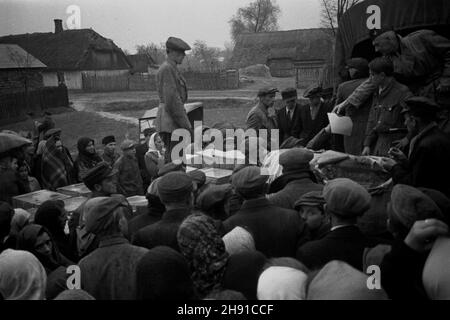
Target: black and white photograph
218,156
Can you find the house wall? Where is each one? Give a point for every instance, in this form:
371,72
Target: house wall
50,79
105,80
281,67
308,73
73,80
14,80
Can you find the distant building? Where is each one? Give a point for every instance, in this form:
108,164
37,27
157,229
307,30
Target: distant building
71,55
19,70
302,53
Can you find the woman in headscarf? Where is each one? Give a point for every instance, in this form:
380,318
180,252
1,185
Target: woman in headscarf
57,165
37,240
154,157
163,274
87,158
22,276
20,219
204,250
282,283
74,294
53,216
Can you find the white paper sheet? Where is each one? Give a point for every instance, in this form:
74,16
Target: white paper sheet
340,125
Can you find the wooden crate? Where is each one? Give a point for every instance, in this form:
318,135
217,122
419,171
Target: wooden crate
75,190
217,176
35,199
72,204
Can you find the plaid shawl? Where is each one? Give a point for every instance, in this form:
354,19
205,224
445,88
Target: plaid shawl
57,167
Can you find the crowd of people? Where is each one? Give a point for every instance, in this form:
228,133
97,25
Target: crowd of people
291,238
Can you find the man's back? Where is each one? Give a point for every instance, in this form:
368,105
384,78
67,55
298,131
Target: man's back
109,272
276,231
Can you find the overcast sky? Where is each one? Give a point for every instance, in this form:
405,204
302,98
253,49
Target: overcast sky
132,22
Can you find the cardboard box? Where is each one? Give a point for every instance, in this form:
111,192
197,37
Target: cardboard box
35,199
75,190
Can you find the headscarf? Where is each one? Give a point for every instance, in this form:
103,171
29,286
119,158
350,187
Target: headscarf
339,281
75,294
47,215
436,273
163,274
282,283
89,160
152,145
287,262
238,240
243,271
20,219
22,276
57,167
27,241
204,250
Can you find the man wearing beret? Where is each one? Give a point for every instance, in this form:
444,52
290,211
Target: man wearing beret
277,231
288,118
109,272
427,163
129,180
175,190
172,91
345,201
296,180
313,115
262,116
421,61
109,155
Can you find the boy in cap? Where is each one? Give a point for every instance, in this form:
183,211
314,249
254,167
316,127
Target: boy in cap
310,206
129,180
429,151
385,124
288,118
109,155
296,180
313,115
345,202
172,91
277,232
175,189
109,272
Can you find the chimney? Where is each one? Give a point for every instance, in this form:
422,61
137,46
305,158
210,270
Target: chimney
58,26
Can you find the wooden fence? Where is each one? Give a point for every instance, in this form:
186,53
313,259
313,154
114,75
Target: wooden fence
15,106
142,82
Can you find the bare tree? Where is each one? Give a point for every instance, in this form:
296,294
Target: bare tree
155,52
332,11
258,16
207,56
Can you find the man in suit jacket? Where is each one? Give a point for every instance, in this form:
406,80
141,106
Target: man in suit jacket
277,232
345,202
288,118
429,150
175,190
172,91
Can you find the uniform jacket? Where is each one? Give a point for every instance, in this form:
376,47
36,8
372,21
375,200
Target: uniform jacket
163,232
172,91
289,127
385,115
129,180
109,272
345,244
428,162
277,232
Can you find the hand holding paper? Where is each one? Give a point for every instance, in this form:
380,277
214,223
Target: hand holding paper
340,125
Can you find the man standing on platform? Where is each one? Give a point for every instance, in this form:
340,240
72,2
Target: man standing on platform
172,91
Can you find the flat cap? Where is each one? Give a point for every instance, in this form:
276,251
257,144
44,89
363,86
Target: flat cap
420,107
409,204
171,167
98,213
346,198
177,44
311,199
289,94
198,177
295,158
313,91
359,64
52,132
174,186
267,91
95,175
213,195
127,144
108,139
248,178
